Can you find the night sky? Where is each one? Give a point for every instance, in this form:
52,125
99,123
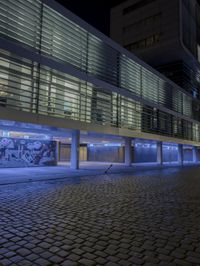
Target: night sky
95,12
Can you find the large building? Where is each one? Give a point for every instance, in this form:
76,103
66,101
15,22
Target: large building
67,92
166,35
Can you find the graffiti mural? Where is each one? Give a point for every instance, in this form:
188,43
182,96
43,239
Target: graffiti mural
26,152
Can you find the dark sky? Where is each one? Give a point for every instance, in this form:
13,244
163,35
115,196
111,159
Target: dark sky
95,12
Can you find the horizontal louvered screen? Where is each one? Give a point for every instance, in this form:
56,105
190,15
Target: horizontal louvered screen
28,87
21,21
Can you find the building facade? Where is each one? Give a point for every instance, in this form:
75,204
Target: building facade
165,34
62,79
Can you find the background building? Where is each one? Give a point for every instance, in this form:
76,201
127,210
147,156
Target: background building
68,91
165,34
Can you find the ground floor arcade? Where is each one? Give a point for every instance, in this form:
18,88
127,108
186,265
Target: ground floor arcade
126,150
22,146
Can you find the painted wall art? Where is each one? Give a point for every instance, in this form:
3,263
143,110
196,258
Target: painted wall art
26,152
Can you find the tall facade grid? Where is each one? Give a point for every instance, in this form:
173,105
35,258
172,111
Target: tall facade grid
105,85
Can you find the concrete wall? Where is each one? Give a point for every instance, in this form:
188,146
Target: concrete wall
16,152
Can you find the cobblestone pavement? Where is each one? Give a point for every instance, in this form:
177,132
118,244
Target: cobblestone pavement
149,218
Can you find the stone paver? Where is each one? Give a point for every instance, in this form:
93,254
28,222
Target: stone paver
146,218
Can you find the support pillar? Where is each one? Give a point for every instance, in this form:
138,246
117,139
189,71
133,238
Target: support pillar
194,154
128,151
159,153
180,154
57,152
75,142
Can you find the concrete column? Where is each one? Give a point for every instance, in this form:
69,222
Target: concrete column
75,142
194,154
159,153
128,151
180,154
57,151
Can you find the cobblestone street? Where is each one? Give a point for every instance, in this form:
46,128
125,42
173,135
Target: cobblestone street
146,218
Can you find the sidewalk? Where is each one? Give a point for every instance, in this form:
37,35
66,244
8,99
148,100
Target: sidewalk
62,171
